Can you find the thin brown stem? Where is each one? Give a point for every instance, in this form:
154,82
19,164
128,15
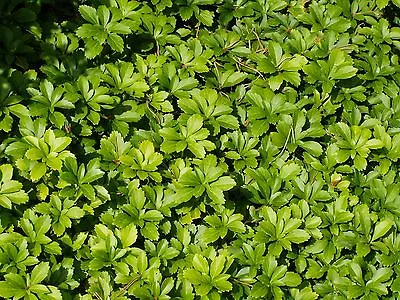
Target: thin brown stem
248,67
127,286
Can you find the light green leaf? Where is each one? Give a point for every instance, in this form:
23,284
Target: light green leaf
89,14
222,284
381,228
200,264
290,171
382,3
217,265
193,276
291,279
40,272
92,48
75,213
297,236
128,235
116,42
38,171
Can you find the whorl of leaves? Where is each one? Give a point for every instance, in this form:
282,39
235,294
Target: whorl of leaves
199,149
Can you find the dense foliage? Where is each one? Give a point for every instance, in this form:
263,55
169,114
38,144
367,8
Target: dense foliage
199,149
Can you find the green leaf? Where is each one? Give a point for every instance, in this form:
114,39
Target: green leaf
199,149
193,276
381,228
306,294
183,195
205,17
128,235
275,52
200,264
89,14
291,279
39,273
88,191
314,148
360,162
381,275
150,231
10,190
8,292
75,213
298,236
382,3
38,171
374,144
19,110
116,42
223,183
210,235
290,171
340,65
217,265
222,284
152,215
185,84
195,122
93,48
93,172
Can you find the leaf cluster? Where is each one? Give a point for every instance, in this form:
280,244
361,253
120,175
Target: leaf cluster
203,149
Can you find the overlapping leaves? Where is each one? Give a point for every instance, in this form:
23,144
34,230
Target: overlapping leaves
199,149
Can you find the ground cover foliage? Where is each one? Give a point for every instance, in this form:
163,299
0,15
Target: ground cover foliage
199,149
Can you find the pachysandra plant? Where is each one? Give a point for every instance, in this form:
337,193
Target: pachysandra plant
199,150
